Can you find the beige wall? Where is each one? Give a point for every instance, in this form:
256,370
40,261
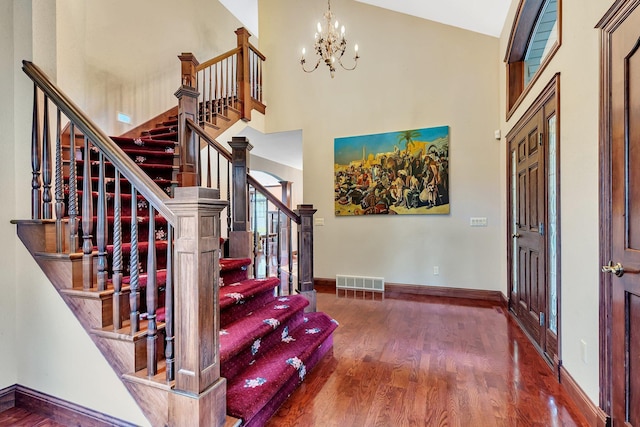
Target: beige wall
412,74
8,375
577,61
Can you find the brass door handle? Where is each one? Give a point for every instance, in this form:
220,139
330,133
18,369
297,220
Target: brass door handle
616,269
515,235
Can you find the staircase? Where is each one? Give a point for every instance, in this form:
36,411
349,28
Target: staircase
128,264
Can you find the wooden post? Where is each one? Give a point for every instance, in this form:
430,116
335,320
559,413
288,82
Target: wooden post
240,235
286,193
188,175
305,254
199,396
189,64
244,76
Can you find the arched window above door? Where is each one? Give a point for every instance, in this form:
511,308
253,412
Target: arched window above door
534,39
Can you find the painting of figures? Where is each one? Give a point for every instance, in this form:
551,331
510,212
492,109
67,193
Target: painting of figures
404,173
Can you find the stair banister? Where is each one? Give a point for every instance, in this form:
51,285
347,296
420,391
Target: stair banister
120,160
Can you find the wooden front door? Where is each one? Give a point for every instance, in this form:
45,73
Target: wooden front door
533,255
621,216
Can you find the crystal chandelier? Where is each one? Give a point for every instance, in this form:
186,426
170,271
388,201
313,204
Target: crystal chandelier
329,45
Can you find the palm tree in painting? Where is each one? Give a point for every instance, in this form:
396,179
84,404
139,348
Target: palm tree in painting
408,136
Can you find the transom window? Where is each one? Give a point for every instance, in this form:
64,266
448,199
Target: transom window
535,37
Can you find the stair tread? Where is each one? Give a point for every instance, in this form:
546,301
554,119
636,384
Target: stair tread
243,332
145,141
235,293
262,380
233,263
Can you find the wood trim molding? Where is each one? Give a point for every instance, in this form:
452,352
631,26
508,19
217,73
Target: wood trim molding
397,289
7,398
593,414
59,410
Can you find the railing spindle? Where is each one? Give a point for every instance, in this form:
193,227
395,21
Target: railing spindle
279,252
210,102
255,232
35,158
168,311
101,232
73,192
134,292
117,253
208,165
46,163
266,250
87,219
152,290
290,254
59,185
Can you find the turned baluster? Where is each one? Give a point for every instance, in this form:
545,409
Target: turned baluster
46,163
255,232
228,208
73,192
266,250
35,158
87,219
134,274
279,253
117,253
59,186
211,99
208,166
152,290
169,353
101,232
290,255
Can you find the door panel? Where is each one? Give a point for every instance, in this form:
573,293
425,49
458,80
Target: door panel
531,298
625,221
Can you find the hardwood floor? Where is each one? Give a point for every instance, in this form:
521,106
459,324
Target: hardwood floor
19,417
427,362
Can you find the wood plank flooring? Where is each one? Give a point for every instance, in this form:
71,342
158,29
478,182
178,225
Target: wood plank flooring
19,417
427,362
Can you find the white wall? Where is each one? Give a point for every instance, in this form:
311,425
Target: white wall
8,280
578,64
412,74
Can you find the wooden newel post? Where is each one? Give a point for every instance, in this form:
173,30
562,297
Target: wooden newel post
187,94
240,236
244,76
199,396
305,254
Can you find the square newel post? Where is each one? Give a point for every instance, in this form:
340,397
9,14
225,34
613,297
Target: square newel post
240,245
199,396
244,76
305,254
189,152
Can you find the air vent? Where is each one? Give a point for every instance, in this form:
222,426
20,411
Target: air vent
360,283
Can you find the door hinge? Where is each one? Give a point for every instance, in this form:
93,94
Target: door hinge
541,319
541,228
540,136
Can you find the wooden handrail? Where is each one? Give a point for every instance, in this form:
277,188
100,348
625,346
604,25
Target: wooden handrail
257,52
218,58
269,196
127,167
212,142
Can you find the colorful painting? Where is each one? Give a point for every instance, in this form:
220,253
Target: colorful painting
404,173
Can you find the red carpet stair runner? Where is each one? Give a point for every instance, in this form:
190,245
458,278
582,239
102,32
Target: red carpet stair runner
268,344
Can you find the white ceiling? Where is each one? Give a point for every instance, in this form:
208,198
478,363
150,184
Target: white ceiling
481,16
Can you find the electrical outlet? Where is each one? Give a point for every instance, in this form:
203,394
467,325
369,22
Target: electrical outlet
436,270
318,221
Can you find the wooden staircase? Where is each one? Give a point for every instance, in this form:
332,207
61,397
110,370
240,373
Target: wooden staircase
139,268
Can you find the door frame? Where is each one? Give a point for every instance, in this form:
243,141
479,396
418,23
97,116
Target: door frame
550,91
607,25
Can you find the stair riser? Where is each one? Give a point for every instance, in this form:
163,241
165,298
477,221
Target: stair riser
261,418
240,310
100,310
242,360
